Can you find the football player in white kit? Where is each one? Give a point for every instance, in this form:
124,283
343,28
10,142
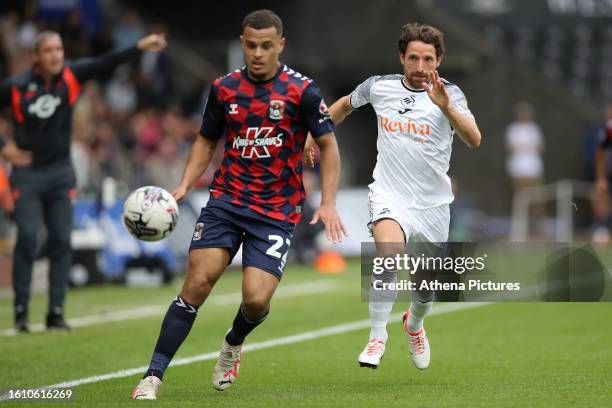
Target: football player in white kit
417,113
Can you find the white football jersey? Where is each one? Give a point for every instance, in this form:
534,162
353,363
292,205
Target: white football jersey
414,140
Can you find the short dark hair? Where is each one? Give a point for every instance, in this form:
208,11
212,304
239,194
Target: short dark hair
261,19
424,33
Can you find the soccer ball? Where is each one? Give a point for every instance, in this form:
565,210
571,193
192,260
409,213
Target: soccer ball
150,213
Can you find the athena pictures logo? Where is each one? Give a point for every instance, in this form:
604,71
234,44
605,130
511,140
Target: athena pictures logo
45,106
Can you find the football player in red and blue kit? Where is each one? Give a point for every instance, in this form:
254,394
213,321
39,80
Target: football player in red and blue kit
265,110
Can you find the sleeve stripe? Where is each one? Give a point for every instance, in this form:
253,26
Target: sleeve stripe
351,101
16,102
74,87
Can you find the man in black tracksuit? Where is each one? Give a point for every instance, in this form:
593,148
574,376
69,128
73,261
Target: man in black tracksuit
42,179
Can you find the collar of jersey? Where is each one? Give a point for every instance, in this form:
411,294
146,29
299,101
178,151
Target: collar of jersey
246,76
409,88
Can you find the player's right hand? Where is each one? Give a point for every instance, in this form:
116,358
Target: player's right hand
179,193
16,156
334,228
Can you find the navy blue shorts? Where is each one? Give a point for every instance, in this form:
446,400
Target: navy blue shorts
265,241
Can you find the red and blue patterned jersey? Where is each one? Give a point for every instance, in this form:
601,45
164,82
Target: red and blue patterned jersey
266,123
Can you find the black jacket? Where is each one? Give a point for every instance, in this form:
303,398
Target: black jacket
42,111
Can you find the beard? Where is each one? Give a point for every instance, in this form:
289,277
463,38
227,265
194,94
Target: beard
417,82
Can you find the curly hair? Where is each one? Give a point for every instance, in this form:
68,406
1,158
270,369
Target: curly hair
424,33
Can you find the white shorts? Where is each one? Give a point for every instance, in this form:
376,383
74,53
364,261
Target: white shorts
419,225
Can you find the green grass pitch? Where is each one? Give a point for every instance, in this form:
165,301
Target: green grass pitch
501,355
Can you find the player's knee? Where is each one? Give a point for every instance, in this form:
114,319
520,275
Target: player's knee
196,288
200,284
256,306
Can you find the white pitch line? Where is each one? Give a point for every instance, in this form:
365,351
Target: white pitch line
298,289
296,338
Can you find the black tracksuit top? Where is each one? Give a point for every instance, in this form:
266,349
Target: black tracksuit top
42,110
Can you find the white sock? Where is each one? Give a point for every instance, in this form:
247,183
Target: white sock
417,314
379,316
380,306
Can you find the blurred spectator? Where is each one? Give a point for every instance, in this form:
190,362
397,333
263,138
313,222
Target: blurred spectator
165,168
525,145
108,158
76,43
155,77
601,196
121,92
303,244
129,29
146,127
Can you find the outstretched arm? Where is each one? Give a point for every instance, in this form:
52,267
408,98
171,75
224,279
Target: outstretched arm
201,153
330,175
88,68
338,112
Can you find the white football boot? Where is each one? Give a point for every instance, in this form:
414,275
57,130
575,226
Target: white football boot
372,353
226,368
418,345
147,388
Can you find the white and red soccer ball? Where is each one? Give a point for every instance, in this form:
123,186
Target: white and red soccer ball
150,213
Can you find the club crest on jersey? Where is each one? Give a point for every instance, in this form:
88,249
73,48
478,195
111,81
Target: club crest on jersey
407,104
277,108
256,142
45,106
233,109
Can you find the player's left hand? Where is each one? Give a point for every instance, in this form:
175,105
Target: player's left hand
152,42
436,91
334,228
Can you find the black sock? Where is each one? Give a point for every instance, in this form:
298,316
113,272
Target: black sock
174,330
242,326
